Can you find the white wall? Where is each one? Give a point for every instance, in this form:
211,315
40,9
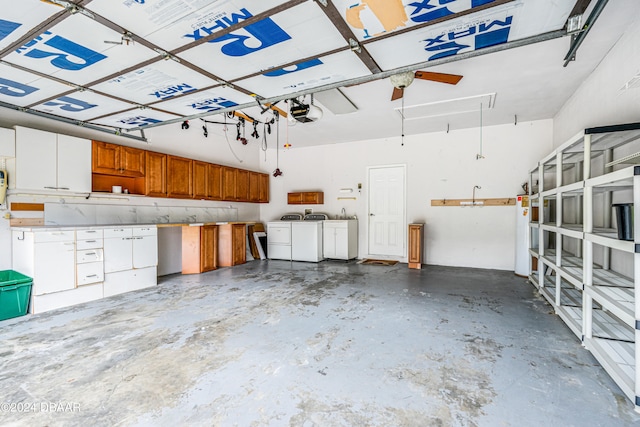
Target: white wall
439,165
599,101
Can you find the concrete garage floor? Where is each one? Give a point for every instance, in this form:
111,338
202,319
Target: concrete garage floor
274,343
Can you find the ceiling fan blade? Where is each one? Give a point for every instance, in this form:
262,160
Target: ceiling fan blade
451,79
397,93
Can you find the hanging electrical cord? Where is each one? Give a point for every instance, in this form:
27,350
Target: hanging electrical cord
225,129
479,155
263,146
402,125
277,172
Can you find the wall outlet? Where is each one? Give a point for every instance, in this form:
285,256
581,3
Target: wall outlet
308,211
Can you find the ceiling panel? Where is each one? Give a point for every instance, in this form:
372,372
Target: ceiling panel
174,23
317,72
372,18
134,118
22,88
75,50
156,82
296,33
490,27
82,106
19,17
219,52
205,102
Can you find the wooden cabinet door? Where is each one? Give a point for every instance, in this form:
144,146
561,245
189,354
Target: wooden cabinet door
415,246
105,158
264,188
179,177
254,187
214,186
200,180
294,198
309,198
242,185
155,174
208,247
228,183
239,239
132,161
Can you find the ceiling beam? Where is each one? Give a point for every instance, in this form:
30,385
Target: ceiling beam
384,74
352,41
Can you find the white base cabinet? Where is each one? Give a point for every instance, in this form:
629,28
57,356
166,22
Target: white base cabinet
74,265
340,239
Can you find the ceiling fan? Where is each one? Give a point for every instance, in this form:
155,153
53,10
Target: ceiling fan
402,80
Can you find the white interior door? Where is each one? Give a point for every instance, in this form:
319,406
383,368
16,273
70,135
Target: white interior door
387,210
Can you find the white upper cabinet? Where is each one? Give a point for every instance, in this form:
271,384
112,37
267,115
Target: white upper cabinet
7,142
50,161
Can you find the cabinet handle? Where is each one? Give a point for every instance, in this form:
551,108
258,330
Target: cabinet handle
50,188
92,275
372,214
69,244
90,231
63,188
90,253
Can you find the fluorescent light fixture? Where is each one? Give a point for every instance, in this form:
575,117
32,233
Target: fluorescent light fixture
335,101
470,104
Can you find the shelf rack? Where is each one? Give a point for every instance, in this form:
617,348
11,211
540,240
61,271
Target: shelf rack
575,243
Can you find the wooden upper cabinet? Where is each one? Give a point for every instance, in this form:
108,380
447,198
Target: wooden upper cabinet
228,183
179,177
112,159
105,158
200,180
156,174
306,198
214,187
254,187
242,185
264,188
132,161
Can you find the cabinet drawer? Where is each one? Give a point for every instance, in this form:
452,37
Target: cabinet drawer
88,234
117,232
89,244
145,231
54,236
92,272
90,255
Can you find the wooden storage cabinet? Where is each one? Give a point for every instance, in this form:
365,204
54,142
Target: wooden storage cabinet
232,244
264,188
199,249
112,159
161,175
214,186
228,183
156,174
415,245
242,185
200,180
306,198
179,177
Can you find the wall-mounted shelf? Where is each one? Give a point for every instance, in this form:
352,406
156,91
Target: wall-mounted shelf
511,201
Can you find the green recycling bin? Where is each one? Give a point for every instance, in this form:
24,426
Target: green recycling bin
15,291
